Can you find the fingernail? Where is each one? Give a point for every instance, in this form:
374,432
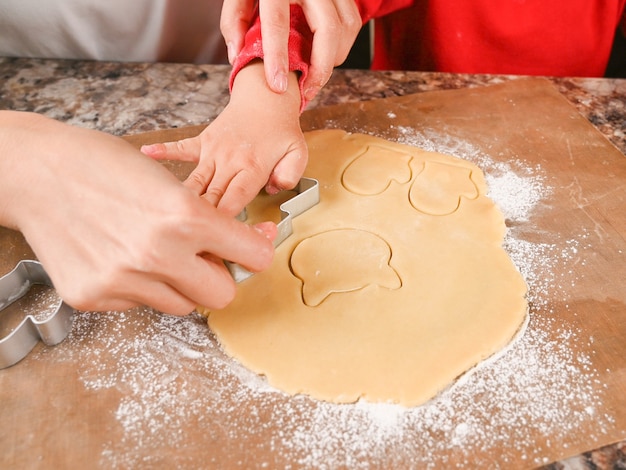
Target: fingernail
267,229
280,82
232,53
310,93
271,189
148,149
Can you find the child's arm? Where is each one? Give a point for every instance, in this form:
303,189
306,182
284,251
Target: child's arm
333,25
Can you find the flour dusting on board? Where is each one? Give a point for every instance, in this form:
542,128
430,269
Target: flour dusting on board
175,383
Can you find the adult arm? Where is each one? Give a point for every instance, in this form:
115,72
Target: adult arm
113,228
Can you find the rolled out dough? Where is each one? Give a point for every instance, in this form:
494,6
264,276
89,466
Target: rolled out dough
393,286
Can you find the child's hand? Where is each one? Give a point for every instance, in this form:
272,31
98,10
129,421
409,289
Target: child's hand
255,142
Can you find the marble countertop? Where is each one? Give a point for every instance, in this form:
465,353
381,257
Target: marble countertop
172,95
127,98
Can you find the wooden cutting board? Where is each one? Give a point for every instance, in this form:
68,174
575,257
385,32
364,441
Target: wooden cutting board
142,390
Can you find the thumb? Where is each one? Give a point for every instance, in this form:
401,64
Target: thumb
289,169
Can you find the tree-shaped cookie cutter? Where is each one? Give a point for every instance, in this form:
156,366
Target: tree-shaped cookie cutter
21,340
307,196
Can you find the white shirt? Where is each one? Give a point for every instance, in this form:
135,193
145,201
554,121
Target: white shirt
117,30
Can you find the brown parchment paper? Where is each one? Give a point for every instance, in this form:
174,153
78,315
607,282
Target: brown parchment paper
70,406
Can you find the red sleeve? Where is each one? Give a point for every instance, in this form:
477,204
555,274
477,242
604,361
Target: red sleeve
533,37
301,38
300,43
370,9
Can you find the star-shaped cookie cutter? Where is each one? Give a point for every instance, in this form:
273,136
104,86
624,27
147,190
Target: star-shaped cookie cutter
21,340
307,196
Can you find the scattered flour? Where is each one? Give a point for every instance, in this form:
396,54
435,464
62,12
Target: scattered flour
40,302
179,394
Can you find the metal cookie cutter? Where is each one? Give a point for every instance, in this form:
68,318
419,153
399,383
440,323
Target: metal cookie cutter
51,330
308,195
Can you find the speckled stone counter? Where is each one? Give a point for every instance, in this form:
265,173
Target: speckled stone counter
130,98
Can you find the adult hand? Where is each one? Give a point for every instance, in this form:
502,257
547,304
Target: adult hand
113,228
335,25
255,142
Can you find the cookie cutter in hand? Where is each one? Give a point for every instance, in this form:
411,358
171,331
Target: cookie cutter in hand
308,195
16,345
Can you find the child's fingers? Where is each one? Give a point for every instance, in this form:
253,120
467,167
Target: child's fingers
186,150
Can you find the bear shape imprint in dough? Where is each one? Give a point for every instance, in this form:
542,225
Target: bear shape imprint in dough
363,259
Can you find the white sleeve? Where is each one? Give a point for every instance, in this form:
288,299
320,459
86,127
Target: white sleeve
124,30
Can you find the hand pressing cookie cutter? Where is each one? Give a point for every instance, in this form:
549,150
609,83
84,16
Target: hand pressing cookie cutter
52,330
308,195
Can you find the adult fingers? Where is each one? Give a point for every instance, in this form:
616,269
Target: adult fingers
207,281
351,24
164,298
202,279
207,284
226,238
234,23
335,26
139,289
274,15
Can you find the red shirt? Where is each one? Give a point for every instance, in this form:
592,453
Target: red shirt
526,37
